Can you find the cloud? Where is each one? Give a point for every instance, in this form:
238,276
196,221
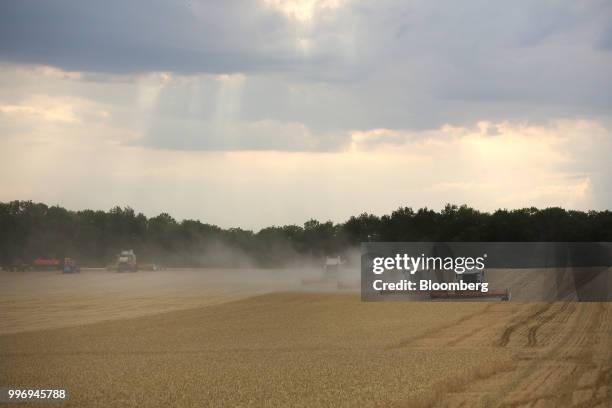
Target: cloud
360,64
54,109
348,105
96,165
139,36
303,10
234,136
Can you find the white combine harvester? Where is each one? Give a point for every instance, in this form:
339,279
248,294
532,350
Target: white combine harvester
331,271
333,265
126,261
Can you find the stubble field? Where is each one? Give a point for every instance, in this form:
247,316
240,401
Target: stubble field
252,337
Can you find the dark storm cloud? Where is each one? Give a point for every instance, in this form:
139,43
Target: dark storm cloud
137,36
364,65
237,35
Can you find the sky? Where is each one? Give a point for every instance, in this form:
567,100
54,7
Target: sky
270,112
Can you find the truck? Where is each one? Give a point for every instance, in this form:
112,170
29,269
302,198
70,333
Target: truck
46,264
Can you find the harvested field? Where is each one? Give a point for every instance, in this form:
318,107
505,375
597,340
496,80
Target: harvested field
39,300
279,346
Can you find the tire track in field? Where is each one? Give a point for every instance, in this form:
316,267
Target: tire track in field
437,330
532,339
562,357
570,367
573,355
509,330
525,373
602,371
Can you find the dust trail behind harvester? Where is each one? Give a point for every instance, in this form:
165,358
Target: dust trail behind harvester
47,299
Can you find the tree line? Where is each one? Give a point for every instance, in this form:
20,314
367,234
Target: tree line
30,230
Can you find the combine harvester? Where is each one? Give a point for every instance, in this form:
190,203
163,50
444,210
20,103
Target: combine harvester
333,269
126,261
331,272
70,266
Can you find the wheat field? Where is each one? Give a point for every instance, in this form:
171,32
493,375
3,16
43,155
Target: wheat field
258,339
